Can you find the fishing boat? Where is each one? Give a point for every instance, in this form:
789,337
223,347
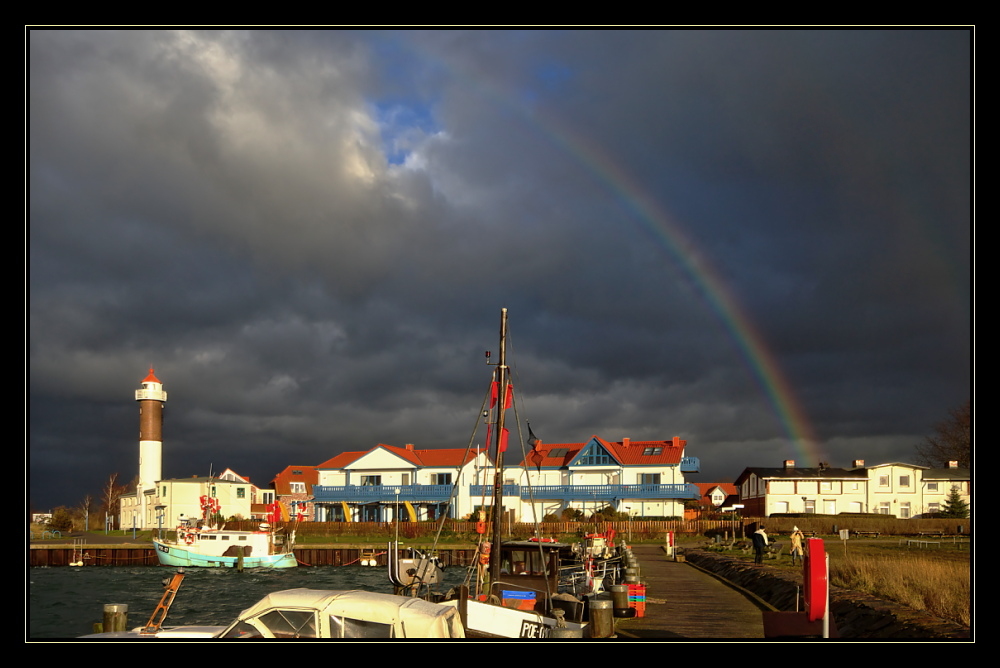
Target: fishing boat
516,594
312,614
221,548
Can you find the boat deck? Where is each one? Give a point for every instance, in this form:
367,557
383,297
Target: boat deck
683,602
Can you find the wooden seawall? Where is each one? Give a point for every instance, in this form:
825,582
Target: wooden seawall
143,554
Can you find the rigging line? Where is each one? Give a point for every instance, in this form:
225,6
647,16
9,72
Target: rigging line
454,486
527,471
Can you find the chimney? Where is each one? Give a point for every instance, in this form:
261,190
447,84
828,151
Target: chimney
625,442
409,446
953,464
789,463
677,441
859,463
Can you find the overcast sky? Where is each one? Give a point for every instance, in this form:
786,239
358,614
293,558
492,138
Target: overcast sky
759,241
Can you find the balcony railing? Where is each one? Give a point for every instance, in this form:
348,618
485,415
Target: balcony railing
690,465
441,493
593,492
381,493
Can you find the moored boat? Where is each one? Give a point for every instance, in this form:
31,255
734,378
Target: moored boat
221,548
321,614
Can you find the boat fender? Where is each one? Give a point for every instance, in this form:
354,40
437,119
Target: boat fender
484,554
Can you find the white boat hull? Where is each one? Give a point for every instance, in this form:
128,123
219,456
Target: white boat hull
486,620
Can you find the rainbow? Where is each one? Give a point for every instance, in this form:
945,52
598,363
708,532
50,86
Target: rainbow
670,236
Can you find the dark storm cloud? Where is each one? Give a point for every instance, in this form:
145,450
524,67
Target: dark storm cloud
310,236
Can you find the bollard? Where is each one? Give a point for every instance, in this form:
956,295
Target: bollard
602,623
619,599
115,617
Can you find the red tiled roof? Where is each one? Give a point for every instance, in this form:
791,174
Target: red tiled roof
428,457
627,453
306,474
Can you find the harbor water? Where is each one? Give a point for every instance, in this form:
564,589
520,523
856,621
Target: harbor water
65,602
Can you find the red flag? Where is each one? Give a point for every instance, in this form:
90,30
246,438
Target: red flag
503,439
508,400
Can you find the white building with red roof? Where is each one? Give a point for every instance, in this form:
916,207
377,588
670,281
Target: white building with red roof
643,478
386,482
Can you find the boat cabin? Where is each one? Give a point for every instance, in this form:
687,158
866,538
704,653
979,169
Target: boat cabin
315,613
529,566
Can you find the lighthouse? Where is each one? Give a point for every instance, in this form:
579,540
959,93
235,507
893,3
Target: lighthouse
151,399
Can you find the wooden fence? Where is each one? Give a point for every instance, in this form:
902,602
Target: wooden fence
638,529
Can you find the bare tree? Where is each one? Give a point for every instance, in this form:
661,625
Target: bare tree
85,506
110,496
951,441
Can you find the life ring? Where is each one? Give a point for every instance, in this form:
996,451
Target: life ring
189,538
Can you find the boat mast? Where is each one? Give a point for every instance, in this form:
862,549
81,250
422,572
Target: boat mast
502,379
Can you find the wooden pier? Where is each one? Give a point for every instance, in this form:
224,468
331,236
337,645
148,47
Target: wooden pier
683,602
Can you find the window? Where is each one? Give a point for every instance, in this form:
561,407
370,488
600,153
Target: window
652,451
826,486
371,480
904,481
932,487
345,627
781,506
830,506
810,505
595,456
241,492
290,623
904,510
883,508
297,487
934,507
883,481
441,479
649,478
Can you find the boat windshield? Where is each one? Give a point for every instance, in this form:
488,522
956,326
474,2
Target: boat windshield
278,623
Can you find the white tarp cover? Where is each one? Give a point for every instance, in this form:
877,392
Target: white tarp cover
411,617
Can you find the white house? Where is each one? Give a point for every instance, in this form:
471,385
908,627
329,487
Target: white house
173,500
899,489
643,478
386,482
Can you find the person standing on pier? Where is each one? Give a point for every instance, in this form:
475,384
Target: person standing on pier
759,543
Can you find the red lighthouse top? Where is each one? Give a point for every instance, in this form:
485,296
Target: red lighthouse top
151,378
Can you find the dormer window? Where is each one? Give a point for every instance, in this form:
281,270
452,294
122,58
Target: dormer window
655,450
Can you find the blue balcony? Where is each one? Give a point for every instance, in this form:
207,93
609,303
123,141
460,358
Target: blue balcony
486,491
381,493
612,492
592,492
690,465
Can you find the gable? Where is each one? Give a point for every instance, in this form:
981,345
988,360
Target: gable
380,458
595,453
